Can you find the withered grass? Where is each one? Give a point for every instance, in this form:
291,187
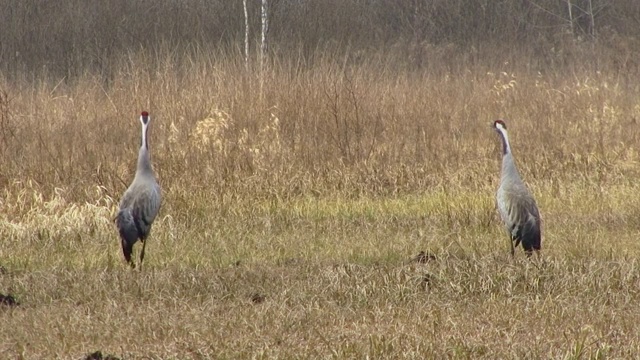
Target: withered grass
294,202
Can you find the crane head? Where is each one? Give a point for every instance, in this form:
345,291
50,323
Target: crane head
144,118
499,125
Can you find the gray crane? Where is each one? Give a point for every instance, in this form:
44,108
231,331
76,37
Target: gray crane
141,202
516,205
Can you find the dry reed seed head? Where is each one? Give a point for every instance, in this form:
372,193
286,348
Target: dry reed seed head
266,145
58,216
210,132
174,133
503,83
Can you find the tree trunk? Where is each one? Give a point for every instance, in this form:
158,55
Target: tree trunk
265,29
246,35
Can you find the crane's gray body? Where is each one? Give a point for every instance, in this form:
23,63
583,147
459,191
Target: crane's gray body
140,203
516,205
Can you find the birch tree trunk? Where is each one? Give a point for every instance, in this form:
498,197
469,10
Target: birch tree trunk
265,29
246,35
592,22
569,7
264,14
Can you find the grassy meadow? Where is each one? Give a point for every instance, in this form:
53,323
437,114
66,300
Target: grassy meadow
296,199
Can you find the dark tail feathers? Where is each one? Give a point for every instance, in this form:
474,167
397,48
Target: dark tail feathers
128,232
530,237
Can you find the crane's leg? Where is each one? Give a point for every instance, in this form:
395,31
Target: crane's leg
513,249
127,249
144,243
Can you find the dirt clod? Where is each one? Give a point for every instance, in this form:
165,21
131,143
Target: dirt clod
8,300
424,257
257,298
98,356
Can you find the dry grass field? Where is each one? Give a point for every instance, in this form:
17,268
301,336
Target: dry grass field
296,201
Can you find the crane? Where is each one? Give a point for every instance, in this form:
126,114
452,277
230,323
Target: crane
516,205
141,201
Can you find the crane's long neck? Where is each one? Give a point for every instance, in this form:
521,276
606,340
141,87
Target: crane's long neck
144,162
506,148
509,171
